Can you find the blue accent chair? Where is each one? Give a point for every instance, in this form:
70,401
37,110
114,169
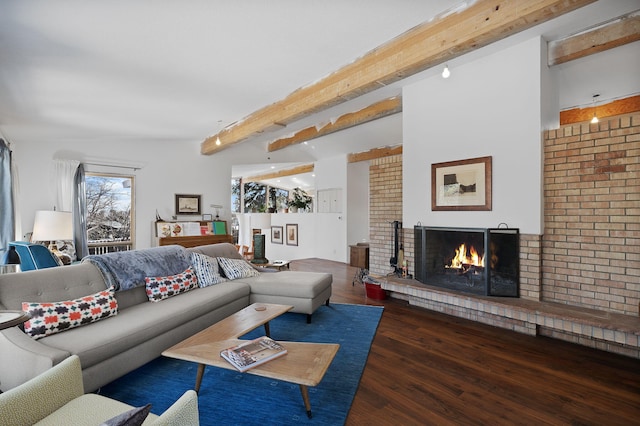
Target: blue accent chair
33,256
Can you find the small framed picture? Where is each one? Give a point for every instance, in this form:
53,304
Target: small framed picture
188,204
292,234
207,217
276,235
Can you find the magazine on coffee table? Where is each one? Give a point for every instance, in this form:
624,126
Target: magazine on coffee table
253,353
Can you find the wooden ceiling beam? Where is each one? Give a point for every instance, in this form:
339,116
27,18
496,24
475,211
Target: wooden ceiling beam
615,33
372,112
610,109
436,41
305,168
372,154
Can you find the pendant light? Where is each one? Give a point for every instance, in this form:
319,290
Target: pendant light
594,120
445,72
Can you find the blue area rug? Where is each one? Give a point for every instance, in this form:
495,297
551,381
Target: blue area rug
231,398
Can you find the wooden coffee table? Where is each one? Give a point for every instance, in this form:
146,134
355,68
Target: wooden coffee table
304,364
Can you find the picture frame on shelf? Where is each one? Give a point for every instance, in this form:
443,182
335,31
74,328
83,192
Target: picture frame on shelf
463,185
207,217
163,229
276,235
188,204
292,234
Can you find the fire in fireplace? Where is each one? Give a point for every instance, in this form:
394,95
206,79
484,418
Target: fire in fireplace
481,261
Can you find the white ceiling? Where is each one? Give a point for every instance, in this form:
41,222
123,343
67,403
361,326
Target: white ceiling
153,70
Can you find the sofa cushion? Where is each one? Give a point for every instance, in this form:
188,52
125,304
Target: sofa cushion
237,268
226,250
305,285
144,322
160,288
53,317
206,269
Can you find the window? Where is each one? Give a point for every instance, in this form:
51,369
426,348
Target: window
110,223
255,197
235,195
281,199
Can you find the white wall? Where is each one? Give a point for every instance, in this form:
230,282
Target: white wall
306,247
357,202
169,169
490,107
331,228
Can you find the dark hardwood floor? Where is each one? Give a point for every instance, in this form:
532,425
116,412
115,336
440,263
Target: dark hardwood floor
429,368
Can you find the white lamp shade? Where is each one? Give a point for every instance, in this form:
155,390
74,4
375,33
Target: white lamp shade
260,220
52,225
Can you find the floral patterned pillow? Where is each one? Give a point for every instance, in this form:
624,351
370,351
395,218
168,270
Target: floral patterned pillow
53,317
160,288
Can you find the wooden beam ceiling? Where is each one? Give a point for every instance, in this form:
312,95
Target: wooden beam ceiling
305,168
372,154
424,46
372,112
618,107
616,33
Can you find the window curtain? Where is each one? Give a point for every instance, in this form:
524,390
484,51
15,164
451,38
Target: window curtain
70,197
80,214
7,214
65,171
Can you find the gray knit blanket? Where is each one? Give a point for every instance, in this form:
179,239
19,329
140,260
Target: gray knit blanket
128,269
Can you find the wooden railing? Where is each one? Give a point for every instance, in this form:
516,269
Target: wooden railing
108,246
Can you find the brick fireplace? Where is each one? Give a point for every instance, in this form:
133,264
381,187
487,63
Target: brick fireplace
587,260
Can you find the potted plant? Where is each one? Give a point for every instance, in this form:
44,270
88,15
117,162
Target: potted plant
301,201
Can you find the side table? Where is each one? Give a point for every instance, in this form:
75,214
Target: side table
12,318
359,258
277,264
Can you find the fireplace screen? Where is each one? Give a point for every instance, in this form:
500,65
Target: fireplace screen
479,261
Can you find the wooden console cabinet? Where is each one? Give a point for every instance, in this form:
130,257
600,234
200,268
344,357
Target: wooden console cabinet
196,240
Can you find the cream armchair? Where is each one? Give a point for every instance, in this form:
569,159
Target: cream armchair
56,397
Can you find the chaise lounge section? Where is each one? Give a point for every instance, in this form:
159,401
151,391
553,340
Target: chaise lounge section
141,330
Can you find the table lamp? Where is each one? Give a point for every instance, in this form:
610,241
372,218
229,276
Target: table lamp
260,221
52,226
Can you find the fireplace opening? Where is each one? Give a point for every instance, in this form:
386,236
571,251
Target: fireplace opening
482,261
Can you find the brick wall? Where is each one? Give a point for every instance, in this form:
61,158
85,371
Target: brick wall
589,255
591,242
385,206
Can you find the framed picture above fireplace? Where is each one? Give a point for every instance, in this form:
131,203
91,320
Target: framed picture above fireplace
461,185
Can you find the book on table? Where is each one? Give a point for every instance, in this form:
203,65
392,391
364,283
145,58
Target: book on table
252,353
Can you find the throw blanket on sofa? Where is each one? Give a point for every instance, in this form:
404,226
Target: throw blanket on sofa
128,269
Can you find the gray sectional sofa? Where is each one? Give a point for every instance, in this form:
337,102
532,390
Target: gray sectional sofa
141,330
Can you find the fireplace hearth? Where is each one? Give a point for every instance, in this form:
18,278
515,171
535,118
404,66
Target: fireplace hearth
481,261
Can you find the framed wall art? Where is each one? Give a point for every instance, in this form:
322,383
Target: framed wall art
188,204
276,235
461,185
292,234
